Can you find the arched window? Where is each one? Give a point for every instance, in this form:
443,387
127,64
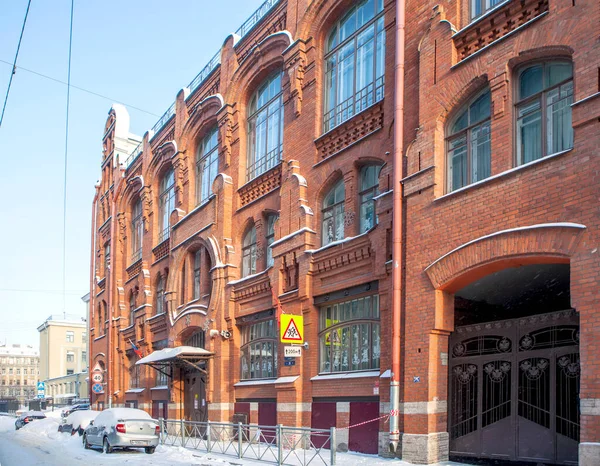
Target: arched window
160,295
132,306
197,340
182,283
137,231
197,266
333,214
249,253
207,166
468,144
355,63
259,350
479,7
369,188
271,219
166,204
265,128
545,95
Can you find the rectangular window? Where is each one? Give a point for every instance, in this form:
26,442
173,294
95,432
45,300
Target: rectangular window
70,337
479,7
106,258
349,335
259,350
161,379
134,375
24,371
18,371
197,257
70,357
84,357
69,371
84,337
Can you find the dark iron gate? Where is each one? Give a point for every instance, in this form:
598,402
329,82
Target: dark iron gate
514,389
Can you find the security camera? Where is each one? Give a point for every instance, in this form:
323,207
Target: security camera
225,334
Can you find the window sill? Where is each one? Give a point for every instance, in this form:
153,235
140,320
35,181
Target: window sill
345,375
135,390
160,387
501,175
248,383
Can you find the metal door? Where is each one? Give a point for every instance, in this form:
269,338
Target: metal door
195,408
514,389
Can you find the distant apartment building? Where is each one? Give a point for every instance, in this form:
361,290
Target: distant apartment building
19,372
63,356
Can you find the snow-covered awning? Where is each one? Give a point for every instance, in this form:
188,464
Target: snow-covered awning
179,356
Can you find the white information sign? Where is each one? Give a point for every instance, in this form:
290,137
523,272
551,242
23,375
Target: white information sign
292,351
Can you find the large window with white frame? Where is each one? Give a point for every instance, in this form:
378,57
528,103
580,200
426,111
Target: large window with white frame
543,110
469,143
207,166
349,335
137,231
166,204
480,7
369,188
332,223
259,350
249,252
265,128
354,63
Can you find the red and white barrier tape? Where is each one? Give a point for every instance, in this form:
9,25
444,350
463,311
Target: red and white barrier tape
386,416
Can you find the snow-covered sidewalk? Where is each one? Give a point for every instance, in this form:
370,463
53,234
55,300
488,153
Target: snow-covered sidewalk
40,443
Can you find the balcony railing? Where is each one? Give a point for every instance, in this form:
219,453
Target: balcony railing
256,17
133,156
163,119
206,71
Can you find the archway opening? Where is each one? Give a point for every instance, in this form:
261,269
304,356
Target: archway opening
514,367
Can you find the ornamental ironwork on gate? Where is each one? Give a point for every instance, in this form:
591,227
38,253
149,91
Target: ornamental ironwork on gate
514,389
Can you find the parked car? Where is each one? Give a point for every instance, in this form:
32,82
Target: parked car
77,421
27,417
122,428
71,409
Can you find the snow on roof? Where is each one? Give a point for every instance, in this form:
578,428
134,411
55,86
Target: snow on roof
19,350
172,353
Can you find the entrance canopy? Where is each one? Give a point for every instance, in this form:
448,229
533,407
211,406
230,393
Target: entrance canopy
181,356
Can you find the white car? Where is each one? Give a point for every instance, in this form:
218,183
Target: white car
122,428
77,421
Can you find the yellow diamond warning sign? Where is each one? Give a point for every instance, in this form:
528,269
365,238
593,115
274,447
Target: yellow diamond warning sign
291,329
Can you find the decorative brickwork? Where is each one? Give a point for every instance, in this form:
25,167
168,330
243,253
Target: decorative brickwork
274,22
342,255
252,288
350,132
496,25
260,186
162,250
157,323
134,269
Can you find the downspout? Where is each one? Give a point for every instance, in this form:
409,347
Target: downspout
397,227
92,301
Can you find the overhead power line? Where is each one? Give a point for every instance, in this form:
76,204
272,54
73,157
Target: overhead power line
14,65
45,76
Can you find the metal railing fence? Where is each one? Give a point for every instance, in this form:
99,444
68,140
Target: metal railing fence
295,446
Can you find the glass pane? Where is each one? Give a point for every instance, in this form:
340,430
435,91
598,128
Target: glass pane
365,359
375,346
480,109
457,158
480,152
559,130
332,41
365,13
356,360
364,70
461,122
380,60
529,130
367,212
339,221
558,72
339,192
348,26
530,81
345,349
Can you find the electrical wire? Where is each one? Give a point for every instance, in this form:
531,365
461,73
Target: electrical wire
81,89
14,66
24,290
66,163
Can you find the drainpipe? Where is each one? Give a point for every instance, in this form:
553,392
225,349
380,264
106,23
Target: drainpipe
397,226
92,302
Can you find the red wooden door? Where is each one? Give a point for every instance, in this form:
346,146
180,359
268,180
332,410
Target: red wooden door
267,416
323,416
364,438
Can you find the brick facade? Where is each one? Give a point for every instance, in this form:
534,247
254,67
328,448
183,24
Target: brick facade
451,239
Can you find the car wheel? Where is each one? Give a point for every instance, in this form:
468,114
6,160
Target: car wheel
150,450
106,448
86,445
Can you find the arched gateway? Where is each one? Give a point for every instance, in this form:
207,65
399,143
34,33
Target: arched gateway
513,366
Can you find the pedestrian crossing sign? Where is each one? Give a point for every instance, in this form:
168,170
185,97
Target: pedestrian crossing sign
291,329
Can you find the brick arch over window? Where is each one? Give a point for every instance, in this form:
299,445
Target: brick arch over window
202,118
543,243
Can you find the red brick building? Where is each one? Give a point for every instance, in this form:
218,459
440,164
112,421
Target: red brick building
270,179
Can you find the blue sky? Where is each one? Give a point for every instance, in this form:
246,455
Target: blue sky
137,52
